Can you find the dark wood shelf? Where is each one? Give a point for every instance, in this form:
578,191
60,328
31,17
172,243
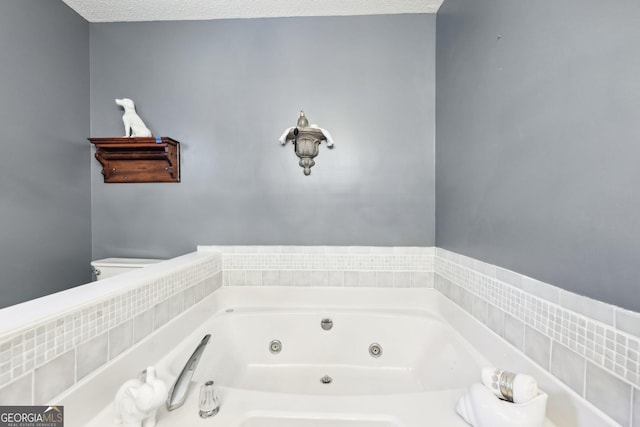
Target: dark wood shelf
138,159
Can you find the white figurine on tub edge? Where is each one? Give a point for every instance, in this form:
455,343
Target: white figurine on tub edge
137,402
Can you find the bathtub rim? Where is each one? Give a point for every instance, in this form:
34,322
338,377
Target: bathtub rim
495,349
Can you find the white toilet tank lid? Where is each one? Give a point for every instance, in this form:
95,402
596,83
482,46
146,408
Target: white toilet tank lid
124,262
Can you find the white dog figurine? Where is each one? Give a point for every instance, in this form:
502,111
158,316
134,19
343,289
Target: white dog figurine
133,124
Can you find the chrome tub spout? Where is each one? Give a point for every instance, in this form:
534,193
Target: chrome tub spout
178,392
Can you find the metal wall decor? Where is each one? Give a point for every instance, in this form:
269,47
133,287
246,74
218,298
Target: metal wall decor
306,141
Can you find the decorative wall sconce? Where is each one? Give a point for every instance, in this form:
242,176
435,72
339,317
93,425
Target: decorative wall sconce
306,141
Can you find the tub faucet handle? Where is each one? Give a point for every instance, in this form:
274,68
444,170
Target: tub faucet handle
209,400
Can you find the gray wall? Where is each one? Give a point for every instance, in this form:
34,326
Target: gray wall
227,89
45,192
538,130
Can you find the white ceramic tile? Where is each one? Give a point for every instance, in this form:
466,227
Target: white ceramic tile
405,250
286,278
509,277
351,278
199,293
484,268
325,258
246,249
568,366
269,249
54,377
143,323
270,278
319,278
401,279
17,392
302,278
541,289
628,321
236,278
384,279
381,250
636,407
441,253
92,355
537,346
514,331
592,339
481,310
430,280
43,342
176,304
610,394
253,278
120,338
359,250
426,250
337,250
161,313
368,279
495,319
335,278
466,261
419,279
446,254
189,296
225,278
591,308
455,293
467,300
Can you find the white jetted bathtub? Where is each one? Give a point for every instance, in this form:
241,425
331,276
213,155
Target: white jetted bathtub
363,353
389,359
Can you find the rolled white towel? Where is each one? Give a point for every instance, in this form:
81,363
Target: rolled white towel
517,388
326,134
283,138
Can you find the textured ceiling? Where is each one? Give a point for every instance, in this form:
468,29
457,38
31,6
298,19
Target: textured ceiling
169,10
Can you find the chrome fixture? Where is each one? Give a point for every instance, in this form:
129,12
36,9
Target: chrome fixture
96,271
178,392
326,379
275,346
375,350
306,141
209,400
326,324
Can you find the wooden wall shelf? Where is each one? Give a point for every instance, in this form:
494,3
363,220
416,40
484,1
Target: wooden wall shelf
138,159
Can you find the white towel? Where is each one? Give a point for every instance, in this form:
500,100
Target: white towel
327,135
517,388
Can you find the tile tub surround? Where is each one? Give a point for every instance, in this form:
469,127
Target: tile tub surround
320,266
592,347
49,344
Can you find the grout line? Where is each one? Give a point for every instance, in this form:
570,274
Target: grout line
633,391
584,378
